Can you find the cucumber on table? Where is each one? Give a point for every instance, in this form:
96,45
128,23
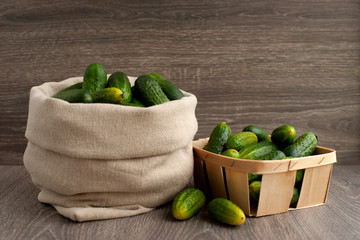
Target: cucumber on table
188,203
225,211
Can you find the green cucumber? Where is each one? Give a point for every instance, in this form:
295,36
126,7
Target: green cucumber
231,153
299,175
188,203
108,95
218,138
149,90
254,190
94,78
259,132
74,86
254,177
75,96
273,155
134,103
121,81
257,151
302,147
283,136
225,211
295,196
170,90
240,140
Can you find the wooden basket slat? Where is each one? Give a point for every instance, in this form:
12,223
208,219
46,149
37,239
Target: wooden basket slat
199,177
276,193
238,189
216,180
314,186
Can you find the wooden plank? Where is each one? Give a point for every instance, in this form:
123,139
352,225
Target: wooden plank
24,217
223,52
238,188
314,186
276,193
199,178
216,180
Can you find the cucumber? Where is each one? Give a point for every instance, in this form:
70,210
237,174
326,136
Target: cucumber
299,175
295,196
75,96
273,155
218,138
283,136
108,95
94,78
259,132
170,90
149,90
121,81
303,146
240,140
188,203
257,151
231,153
74,86
254,177
226,211
254,190
134,103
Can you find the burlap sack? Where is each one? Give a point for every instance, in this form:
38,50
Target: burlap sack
101,161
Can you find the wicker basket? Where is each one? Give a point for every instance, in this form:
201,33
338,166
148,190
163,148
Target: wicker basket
221,176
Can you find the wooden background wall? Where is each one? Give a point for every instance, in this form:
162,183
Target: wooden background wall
249,62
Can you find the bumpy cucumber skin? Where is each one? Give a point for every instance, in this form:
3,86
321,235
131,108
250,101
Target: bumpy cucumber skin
108,95
188,203
258,131
231,153
75,96
299,175
303,146
240,140
94,78
257,151
218,138
295,196
225,211
254,190
149,90
283,136
274,155
121,81
170,90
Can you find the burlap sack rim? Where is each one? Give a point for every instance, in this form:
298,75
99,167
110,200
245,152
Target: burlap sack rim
56,86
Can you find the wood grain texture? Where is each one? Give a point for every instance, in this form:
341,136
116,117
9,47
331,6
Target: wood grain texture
23,217
248,62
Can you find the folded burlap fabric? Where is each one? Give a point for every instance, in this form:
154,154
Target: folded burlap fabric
101,161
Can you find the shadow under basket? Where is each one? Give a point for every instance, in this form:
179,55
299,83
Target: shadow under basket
226,177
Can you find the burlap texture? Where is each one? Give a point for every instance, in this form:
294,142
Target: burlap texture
101,161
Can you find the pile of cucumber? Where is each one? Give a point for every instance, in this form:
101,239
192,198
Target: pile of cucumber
254,143
150,89
190,201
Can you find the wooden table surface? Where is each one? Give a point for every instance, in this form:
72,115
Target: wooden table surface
266,63
22,216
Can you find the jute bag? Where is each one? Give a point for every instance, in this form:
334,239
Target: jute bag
101,161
